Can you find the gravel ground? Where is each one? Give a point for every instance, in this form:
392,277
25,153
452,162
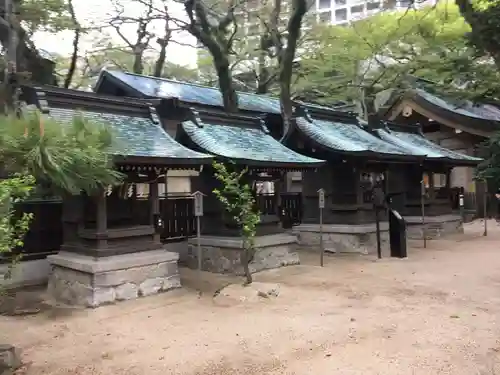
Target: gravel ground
436,312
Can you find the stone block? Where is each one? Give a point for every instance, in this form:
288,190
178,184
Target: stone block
136,275
101,284
103,296
435,227
223,255
10,359
126,291
360,239
72,275
150,286
171,282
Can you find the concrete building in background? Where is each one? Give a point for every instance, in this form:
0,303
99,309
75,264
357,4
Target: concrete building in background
341,12
335,12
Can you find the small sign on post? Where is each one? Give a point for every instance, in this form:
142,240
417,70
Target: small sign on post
321,200
321,205
198,203
198,212
461,206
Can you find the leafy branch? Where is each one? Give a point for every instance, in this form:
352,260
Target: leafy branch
238,200
72,157
13,228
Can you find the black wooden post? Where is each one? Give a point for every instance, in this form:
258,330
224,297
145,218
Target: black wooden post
377,224
154,204
378,203
101,219
485,207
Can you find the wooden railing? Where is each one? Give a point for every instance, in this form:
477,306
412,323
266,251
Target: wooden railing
474,203
291,204
177,213
266,204
45,236
291,207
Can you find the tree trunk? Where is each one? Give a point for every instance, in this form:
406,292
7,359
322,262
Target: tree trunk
226,86
138,67
28,60
263,75
76,42
483,25
160,62
245,258
10,79
367,102
286,58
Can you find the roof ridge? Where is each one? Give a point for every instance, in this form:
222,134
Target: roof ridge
90,96
188,83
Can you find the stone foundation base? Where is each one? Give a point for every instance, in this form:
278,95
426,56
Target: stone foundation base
223,254
343,238
435,226
87,281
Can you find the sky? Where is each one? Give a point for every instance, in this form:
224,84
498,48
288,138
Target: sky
93,11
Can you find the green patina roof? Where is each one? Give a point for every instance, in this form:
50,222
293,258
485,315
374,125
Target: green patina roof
192,93
250,144
135,136
466,108
347,138
419,145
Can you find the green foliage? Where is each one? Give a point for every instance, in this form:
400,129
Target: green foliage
116,57
73,157
13,227
45,15
489,169
484,18
388,50
239,202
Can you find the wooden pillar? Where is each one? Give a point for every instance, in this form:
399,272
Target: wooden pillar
278,189
359,189
154,205
72,217
432,192
101,219
447,185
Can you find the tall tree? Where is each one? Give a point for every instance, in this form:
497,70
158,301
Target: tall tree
389,51
21,22
90,63
76,43
138,43
484,19
217,29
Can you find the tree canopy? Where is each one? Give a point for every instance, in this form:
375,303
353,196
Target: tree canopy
390,50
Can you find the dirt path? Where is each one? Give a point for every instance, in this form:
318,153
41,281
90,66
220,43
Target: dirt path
435,313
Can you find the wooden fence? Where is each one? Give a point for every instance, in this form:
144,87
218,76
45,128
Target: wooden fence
291,207
177,213
474,204
45,236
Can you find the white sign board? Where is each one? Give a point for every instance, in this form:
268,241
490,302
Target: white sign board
321,200
461,200
198,204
